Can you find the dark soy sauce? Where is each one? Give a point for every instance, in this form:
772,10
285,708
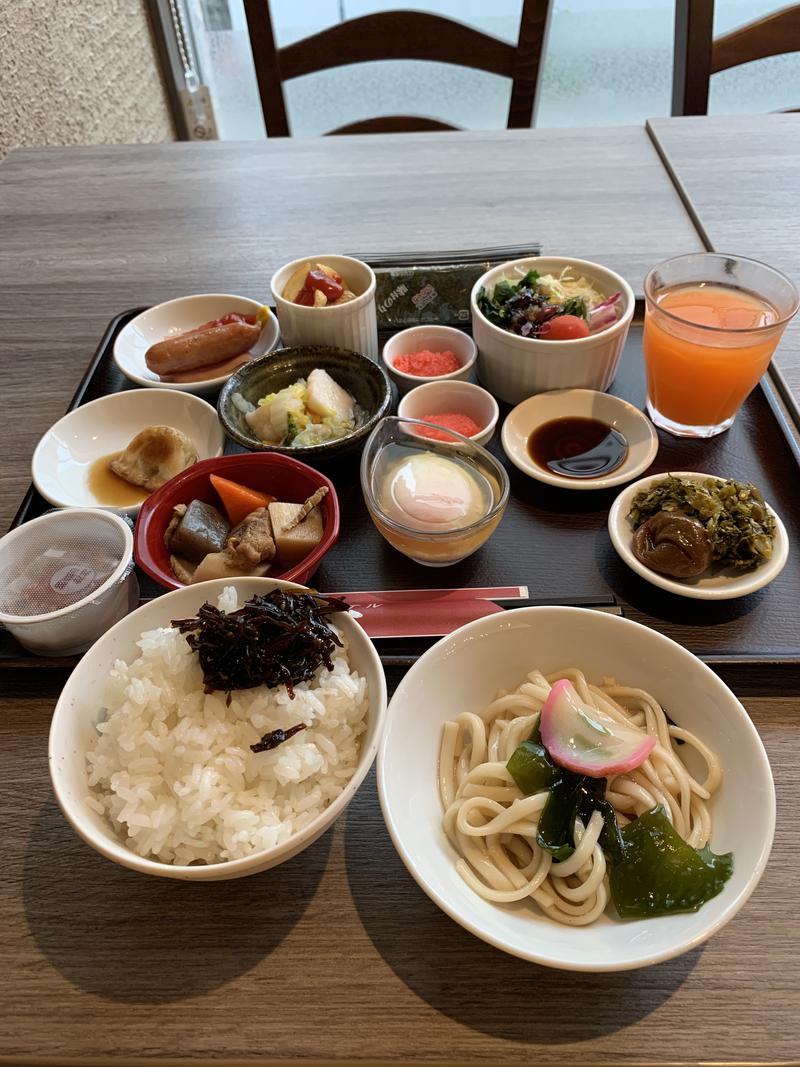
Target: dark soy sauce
577,447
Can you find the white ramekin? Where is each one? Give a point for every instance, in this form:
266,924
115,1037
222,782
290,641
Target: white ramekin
72,629
514,368
353,325
435,339
463,397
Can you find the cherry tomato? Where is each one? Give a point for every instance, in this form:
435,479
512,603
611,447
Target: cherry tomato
564,328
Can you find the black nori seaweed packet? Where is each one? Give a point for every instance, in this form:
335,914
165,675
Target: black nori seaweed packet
414,288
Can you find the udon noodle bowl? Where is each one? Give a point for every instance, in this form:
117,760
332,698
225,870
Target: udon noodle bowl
493,826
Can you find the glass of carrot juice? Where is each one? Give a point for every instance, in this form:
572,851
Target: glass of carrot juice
711,325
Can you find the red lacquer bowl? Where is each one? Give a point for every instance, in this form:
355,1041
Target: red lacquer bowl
269,472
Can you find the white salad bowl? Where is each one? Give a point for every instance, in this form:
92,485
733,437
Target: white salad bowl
464,671
177,316
62,459
537,410
514,367
80,708
723,585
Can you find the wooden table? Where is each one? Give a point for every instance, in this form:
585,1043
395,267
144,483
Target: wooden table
738,174
335,955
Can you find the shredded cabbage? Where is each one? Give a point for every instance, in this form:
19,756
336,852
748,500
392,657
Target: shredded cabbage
567,286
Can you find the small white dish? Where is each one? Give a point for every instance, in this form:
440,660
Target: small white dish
352,325
175,317
725,585
80,707
464,671
514,367
453,396
53,564
435,339
63,458
526,417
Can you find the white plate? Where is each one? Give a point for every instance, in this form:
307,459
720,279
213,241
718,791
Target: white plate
722,586
62,459
637,430
178,316
464,672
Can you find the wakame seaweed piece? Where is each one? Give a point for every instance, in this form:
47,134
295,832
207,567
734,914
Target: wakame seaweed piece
280,638
738,524
556,830
594,799
660,873
531,767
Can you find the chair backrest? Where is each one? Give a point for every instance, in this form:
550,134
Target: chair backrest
698,54
397,35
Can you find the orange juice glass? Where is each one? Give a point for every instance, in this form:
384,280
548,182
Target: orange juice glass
711,325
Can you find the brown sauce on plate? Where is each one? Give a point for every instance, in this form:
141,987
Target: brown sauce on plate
577,447
108,488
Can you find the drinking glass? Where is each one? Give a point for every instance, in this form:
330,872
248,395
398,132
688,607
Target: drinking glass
712,322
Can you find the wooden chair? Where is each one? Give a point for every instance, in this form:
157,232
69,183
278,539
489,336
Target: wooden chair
397,35
698,54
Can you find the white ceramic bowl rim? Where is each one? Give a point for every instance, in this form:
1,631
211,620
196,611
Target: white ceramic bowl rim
435,535
121,571
583,266
715,685
113,848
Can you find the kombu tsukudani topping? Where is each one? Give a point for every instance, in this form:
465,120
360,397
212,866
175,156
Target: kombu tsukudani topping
278,639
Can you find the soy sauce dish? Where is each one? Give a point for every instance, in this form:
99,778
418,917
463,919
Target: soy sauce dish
579,439
698,535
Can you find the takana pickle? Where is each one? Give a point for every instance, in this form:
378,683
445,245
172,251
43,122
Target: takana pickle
660,873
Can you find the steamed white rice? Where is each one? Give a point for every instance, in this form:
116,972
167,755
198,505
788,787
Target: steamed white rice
172,769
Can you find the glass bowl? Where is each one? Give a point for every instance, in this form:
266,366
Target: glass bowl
391,445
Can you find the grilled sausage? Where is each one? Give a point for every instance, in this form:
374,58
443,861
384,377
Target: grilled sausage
193,350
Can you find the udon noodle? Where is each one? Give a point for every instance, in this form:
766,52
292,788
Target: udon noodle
493,826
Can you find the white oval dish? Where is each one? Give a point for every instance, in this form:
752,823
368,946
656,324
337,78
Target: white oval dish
79,709
436,339
352,325
175,317
722,586
464,671
62,459
463,397
514,367
637,430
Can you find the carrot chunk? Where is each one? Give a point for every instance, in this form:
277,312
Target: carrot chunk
238,500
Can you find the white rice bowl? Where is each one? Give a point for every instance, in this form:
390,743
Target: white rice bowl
169,769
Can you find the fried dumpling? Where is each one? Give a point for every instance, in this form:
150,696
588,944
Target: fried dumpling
154,456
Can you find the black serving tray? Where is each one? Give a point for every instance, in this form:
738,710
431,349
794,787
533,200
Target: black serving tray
555,540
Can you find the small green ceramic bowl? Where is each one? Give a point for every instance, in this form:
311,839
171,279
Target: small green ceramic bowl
366,382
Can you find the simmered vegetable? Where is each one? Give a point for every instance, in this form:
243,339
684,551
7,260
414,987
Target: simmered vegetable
734,515
661,874
201,530
238,500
